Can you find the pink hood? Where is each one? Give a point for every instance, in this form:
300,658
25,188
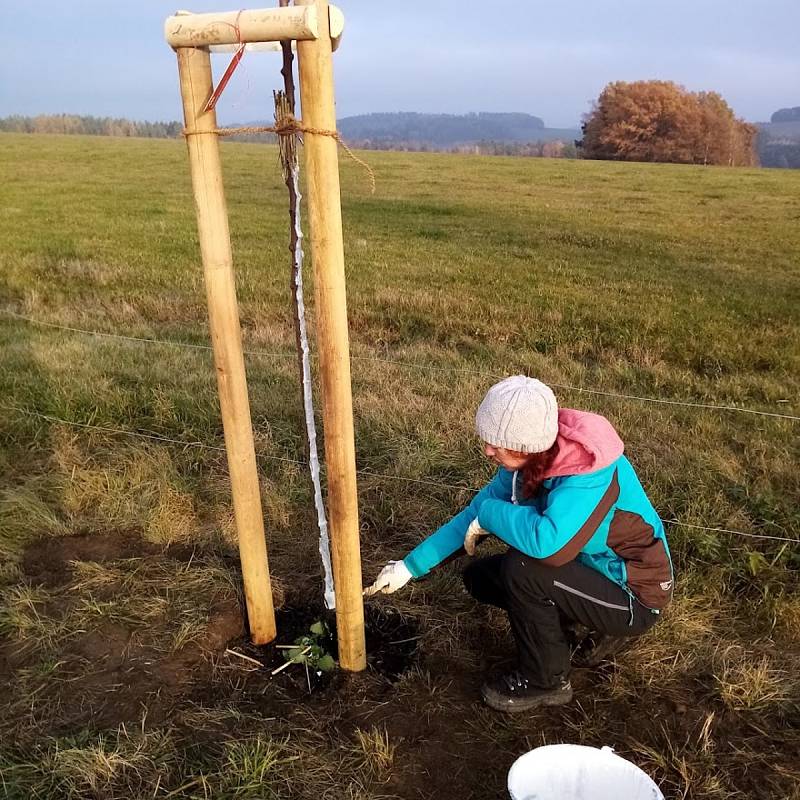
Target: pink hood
586,442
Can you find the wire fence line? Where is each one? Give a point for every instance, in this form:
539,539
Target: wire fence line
140,339
205,446
363,472
411,365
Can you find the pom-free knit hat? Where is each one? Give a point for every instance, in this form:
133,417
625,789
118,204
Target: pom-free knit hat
518,413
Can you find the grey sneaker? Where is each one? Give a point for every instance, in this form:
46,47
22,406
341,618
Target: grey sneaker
513,692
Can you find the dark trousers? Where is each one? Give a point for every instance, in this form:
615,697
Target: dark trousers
541,600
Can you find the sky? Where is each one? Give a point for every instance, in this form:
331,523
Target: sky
550,59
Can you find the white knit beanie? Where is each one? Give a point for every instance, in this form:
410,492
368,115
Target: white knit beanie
518,413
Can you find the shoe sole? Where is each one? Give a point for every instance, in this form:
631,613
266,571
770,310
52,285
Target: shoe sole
519,706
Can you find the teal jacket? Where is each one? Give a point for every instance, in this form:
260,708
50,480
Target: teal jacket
601,517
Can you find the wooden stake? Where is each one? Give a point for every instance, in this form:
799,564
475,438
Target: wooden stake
325,217
194,68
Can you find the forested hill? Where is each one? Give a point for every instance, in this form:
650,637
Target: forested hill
779,139
448,130
786,115
436,130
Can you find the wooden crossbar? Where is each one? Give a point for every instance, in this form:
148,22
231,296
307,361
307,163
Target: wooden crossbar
299,23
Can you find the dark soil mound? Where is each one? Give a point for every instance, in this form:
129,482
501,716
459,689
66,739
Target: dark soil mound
391,642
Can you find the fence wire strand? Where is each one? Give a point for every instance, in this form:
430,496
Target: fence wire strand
411,365
363,472
139,339
141,435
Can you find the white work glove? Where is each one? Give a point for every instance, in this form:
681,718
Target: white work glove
393,576
473,537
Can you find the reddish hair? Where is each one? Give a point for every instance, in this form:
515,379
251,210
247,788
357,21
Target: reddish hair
534,471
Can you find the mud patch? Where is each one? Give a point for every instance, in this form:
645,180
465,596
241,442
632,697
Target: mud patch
126,629
47,561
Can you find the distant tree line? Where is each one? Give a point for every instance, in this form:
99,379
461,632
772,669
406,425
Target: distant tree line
644,121
442,130
91,126
781,154
779,141
661,121
421,124
554,148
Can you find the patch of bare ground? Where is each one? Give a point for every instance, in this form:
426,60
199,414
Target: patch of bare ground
112,638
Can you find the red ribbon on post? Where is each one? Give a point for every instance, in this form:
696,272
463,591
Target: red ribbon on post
223,81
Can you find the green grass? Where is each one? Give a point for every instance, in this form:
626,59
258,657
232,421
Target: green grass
655,280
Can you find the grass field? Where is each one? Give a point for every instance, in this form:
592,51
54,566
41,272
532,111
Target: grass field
119,578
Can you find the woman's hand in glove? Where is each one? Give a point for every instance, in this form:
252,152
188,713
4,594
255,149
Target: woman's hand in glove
473,537
393,576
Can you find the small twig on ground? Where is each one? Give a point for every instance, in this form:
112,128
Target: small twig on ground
182,788
410,639
289,663
243,656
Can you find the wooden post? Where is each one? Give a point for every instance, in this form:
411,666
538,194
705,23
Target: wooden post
325,217
194,68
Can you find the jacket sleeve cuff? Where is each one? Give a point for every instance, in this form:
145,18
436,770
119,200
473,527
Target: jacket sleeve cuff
416,570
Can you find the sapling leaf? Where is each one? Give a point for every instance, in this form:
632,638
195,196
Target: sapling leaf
326,663
309,650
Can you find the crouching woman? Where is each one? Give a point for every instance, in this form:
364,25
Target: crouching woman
584,543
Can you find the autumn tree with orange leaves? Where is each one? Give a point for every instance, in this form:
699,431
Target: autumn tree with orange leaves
661,121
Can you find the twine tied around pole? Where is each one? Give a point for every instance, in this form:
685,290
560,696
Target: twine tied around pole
289,125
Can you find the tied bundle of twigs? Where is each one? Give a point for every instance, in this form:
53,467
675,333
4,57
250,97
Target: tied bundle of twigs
287,127
287,142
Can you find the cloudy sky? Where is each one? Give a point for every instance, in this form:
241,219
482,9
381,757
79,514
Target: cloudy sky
546,58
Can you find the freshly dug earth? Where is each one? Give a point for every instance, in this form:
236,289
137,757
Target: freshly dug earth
391,641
